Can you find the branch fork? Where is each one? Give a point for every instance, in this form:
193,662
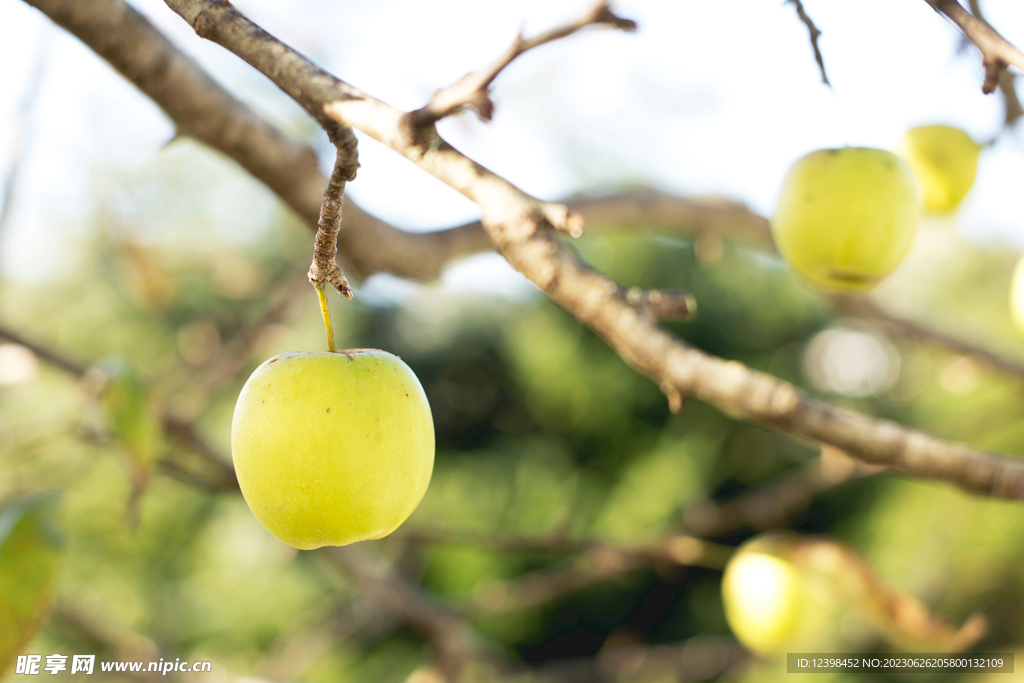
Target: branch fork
997,53
473,89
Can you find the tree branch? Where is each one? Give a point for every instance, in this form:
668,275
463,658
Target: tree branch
772,506
473,88
594,561
868,310
996,52
1007,81
1011,101
814,33
674,549
691,217
518,225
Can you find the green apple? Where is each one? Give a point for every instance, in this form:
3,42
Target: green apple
773,604
762,597
332,448
846,217
785,592
944,161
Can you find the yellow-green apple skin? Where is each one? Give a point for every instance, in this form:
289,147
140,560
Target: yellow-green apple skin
1017,297
332,448
762,597
846,217
773,605
944,160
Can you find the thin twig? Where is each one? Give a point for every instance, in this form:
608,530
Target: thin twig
473,88
676,548
1011,100
814,33
594,561
773,506
185,434
325,269
1007,82
869,310
55,359
996,52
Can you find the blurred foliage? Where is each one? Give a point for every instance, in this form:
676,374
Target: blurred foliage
541,430
28,569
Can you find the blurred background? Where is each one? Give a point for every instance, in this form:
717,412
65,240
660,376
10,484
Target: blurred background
160,274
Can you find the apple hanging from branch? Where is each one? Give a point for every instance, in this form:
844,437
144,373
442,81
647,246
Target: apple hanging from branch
337,447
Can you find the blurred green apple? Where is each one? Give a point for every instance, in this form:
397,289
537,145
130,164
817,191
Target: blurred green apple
846,217
332,448
771,604
785,592
944,161
763,599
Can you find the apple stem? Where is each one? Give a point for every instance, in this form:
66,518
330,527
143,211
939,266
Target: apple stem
325,269
325,311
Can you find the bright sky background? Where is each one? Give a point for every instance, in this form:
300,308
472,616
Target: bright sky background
707,98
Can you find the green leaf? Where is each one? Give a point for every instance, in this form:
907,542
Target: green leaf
28,571
131,411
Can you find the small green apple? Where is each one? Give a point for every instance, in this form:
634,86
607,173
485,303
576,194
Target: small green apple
762,597
846,217
332,448
773,604
785,592
944,160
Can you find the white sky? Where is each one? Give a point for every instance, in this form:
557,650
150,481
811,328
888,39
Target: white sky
706,98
